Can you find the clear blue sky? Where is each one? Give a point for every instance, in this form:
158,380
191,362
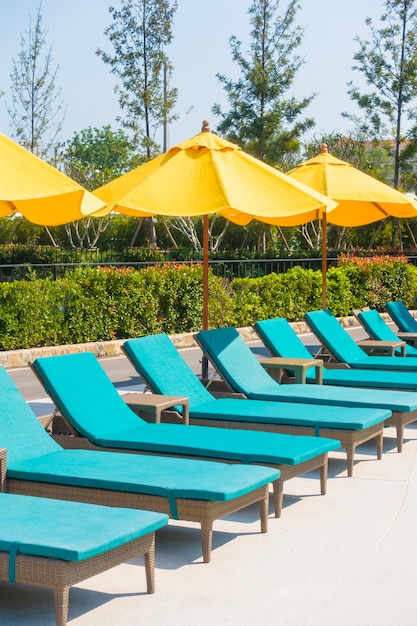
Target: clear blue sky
200,50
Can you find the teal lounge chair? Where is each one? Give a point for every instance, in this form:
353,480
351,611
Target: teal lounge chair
165,371
281,339
406,323
402,317
185,489
55,544
88,400
344,349
378,329
236,363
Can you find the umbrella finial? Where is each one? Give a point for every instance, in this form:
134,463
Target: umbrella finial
324,147
205,127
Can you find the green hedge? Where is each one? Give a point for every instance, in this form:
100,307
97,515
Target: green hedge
101,304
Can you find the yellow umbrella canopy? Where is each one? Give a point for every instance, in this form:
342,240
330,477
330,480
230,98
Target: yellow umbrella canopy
207,174
362,199
41,193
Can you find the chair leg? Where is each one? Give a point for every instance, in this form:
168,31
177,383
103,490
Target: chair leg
350,453
379,445
400,437
206,540
149,559
61,597
323,476
278,494
264,512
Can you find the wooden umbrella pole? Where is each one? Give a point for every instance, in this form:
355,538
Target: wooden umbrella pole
324,262
204,362
205,128
205,270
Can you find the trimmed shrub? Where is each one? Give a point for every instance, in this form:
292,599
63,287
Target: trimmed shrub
101,304
287,295
30,315
379,279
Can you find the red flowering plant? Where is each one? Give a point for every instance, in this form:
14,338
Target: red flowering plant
378,279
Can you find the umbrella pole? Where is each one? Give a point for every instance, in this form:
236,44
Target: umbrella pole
204,362
324,262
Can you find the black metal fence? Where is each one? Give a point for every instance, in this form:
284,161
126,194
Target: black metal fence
230,269
226,268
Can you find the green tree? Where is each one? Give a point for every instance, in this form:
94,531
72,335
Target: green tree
388,62
94,157
139,34
36,112
262,118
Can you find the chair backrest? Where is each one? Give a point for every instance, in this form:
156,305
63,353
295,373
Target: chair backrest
402,316
161,365
20,431
234,360
85,395
334,337
375,326
279,336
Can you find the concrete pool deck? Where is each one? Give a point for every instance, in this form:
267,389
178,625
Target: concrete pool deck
349,557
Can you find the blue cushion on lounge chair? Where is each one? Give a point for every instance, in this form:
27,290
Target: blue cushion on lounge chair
376,327
341,345
402,316
233,359
165,372
33,455
76,381
238,365
154,365
279,336
169,477
293,413
82,391
282,340
20,432
71,531
326,327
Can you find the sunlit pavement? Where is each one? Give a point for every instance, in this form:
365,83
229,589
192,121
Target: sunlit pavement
349,557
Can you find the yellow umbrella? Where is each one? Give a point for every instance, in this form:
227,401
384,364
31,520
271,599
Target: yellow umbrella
361,198
41,193
207,174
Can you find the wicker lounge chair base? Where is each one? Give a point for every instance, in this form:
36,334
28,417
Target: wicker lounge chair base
227,350
35,552
400,421
350,426
292,471
111,424
184,489
349,439
204,512
287,471
59,575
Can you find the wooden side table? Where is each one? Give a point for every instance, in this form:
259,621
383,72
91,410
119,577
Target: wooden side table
410,338
152,404
275,366
388,347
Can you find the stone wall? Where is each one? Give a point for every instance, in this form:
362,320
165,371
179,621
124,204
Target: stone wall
22,358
